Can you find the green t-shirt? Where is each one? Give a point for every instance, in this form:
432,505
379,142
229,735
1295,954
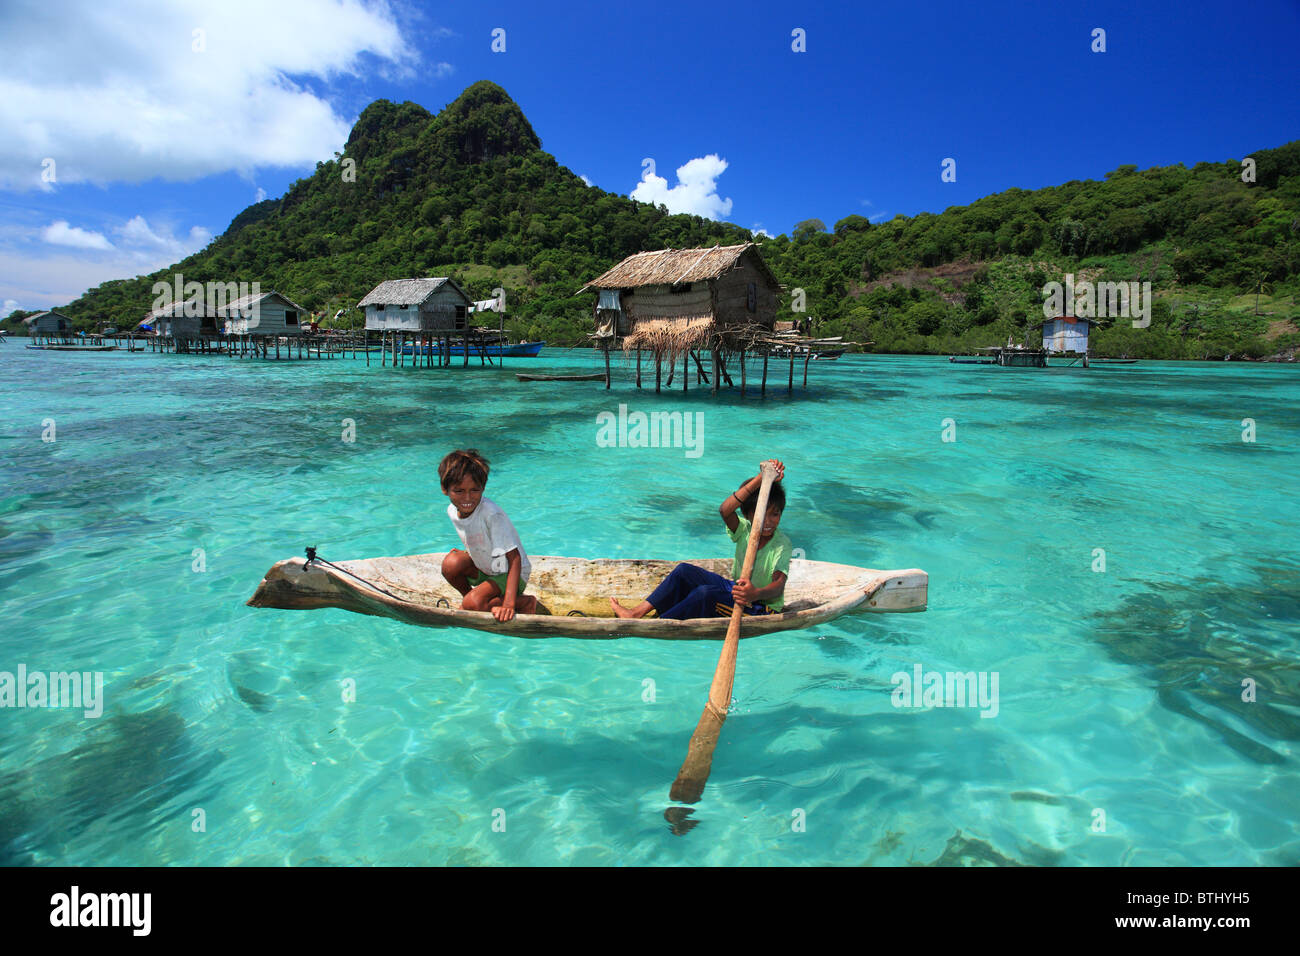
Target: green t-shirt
772,557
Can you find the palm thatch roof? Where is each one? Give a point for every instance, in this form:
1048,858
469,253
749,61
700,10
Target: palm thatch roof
676,266
670,336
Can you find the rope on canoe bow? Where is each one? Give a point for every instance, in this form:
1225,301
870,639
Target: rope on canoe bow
311,556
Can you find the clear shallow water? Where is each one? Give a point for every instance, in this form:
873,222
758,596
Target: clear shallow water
1118,691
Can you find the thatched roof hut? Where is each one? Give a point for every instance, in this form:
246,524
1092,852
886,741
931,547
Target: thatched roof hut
673,300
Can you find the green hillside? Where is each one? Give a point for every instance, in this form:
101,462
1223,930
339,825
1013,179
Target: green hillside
470,193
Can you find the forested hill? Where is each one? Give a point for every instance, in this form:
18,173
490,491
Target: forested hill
470,192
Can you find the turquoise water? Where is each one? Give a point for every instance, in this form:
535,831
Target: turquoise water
1119,691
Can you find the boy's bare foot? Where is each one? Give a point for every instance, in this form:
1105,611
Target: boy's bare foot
621,611
526,604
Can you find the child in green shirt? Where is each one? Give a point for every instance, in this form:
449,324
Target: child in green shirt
692,592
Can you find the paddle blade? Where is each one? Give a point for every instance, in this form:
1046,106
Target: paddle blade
689,785
691,779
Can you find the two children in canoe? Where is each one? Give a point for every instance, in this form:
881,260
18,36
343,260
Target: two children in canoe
492,571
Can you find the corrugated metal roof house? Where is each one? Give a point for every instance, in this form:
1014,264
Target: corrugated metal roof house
416,305
51,322
1066,333
265,313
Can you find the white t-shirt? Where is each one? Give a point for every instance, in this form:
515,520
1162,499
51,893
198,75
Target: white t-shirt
488,536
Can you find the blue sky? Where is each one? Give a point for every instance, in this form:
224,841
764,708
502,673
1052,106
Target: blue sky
166,118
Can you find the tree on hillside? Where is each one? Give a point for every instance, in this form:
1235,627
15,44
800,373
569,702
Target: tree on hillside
808,228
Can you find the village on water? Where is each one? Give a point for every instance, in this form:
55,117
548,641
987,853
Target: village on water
709,309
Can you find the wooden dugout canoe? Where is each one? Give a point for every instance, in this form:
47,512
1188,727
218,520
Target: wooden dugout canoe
584,377
817,592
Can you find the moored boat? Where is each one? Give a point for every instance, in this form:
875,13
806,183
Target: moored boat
576,592
74,348
585,377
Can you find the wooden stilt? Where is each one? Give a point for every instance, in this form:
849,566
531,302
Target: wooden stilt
638,368
763,391
686,368
716,362
701,375
791,387
742,373
606,367
658,368
806,359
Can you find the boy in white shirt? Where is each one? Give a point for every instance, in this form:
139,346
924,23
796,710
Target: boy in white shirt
493,570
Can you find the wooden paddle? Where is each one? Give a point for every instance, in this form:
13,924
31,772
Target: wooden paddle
694,774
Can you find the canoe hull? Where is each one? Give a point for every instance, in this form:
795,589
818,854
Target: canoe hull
408,589
586,377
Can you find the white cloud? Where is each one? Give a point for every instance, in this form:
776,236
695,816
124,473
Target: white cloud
132,97
584,178
758,230
8,308
59,233
146,243
696,191
259,195
48,279
137,232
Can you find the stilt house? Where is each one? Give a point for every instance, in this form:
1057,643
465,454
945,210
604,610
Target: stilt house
48,324
674,300
266,313
1066,334
689,303
172,320
417,305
